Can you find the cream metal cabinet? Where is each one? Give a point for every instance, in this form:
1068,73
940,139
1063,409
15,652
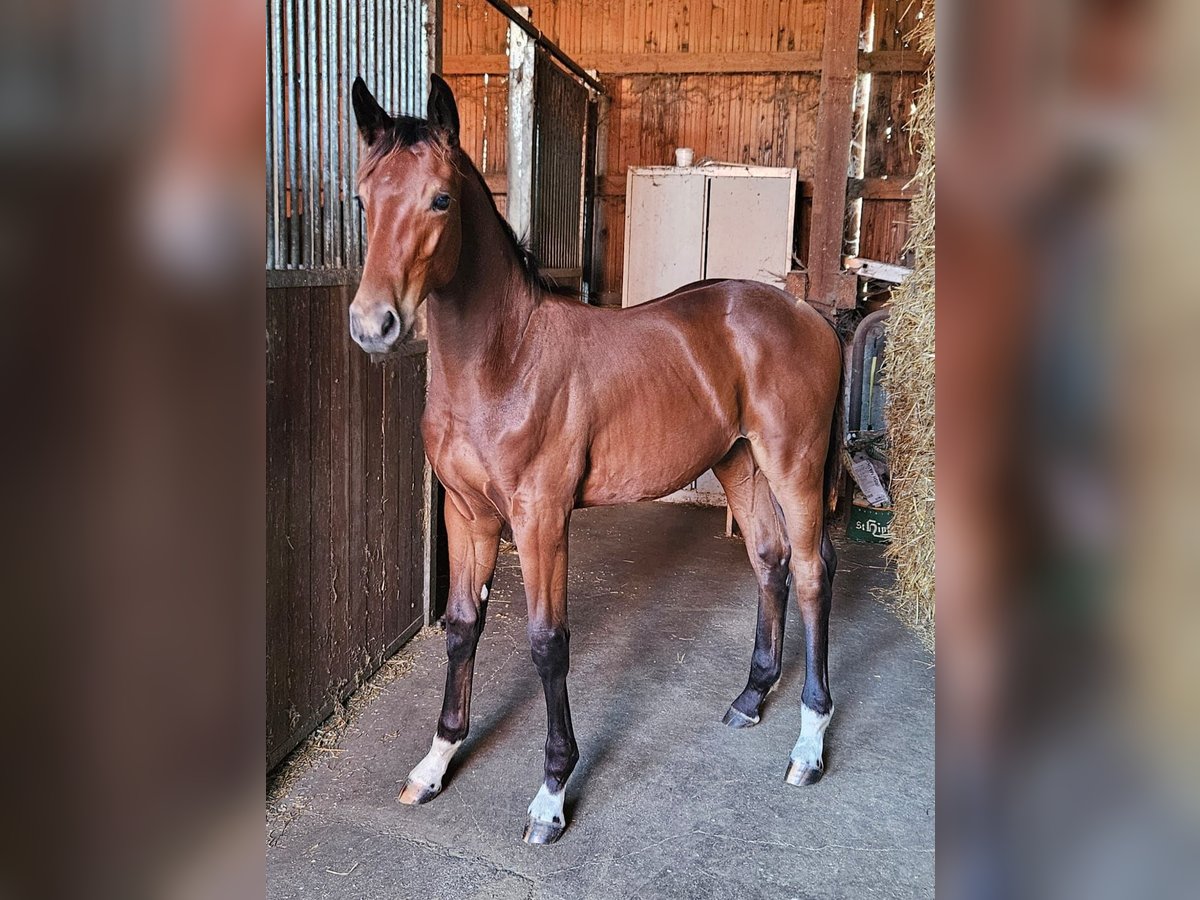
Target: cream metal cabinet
686,223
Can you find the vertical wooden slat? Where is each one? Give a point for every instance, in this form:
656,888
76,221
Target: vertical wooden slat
278,632
322,613
357,575
340,350
297,534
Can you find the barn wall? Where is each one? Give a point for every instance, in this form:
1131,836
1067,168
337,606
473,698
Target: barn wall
345,509
660,63
889,151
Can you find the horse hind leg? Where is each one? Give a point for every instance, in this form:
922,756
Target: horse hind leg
806,764
759,519
797,485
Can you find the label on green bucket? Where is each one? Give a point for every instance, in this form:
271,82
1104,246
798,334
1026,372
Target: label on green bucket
871,525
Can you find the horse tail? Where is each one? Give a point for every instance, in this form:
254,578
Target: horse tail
833,456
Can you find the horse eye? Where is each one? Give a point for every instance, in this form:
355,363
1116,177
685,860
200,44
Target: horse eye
441,202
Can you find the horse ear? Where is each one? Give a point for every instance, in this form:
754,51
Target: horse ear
371,118
443,112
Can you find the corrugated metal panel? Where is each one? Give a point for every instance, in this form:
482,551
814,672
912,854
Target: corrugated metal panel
314,50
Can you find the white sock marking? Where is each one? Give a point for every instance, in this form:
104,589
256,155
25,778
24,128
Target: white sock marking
811,743
548,807
430,770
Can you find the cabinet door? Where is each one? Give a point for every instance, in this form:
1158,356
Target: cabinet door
664,234
749,228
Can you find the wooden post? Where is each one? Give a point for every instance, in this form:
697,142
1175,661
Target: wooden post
433,37
429,522
521,47
829,283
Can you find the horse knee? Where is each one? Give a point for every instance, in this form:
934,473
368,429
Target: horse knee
462,635
550,649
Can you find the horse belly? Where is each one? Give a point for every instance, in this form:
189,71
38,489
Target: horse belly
646,464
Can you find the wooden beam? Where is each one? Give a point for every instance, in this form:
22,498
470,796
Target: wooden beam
497,182
702,63
880,271
654,63
476,64
893,61
518,207
895,188
764,62
829,282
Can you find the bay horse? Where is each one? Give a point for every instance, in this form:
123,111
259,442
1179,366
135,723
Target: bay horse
539,404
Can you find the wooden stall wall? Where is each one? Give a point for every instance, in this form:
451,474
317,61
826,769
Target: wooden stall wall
345,509
736,80
890,154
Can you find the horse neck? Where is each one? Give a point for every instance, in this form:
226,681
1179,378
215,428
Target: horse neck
478,318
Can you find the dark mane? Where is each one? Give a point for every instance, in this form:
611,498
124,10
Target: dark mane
405,131
529,264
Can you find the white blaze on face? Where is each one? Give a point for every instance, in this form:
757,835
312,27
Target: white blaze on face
811,742
548,806
430,770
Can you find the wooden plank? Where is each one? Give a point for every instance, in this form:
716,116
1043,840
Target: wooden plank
770,61
320,378
277,630
339,453
884,230
829,281
476,64
412,492
893,61
895,21
297,535
651,63
884,188
871,268
496,126
497,183
889,150
375,502
358,575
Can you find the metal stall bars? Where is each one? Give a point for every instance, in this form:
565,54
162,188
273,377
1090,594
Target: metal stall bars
552,118
314,50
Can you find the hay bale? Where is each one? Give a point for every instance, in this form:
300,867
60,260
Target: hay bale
910,382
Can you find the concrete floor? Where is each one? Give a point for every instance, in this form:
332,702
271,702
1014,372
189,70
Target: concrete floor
666,801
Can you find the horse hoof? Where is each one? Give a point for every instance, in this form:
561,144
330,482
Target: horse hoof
539,832
801,774
415,793
736,719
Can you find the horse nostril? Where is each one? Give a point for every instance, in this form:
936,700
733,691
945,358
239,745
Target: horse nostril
388,324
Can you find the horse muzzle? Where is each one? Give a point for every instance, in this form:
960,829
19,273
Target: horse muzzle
379,330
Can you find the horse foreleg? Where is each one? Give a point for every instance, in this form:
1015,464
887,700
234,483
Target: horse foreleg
541,538
473,545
